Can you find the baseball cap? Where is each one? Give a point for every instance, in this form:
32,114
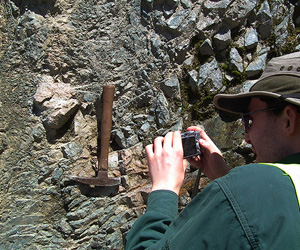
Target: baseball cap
280,80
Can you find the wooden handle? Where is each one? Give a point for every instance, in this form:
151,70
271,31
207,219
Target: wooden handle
106,123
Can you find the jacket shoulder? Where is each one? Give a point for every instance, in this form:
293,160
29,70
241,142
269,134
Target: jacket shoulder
264,201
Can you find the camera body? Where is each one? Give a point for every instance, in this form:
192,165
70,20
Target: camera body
190,143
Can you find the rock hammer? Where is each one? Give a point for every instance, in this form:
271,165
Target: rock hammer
102,178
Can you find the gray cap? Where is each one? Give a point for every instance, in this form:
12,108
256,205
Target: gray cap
280,79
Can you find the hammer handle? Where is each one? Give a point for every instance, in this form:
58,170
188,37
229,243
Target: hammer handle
106,123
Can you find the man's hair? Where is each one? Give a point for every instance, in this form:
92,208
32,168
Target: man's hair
277,103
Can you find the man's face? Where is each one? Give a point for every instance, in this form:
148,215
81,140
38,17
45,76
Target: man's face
264,134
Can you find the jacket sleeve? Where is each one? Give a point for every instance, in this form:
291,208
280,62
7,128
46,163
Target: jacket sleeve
162,209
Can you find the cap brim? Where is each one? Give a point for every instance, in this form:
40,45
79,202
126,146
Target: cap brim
238,103
280,79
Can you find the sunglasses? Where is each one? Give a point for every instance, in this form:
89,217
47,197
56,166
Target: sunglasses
247,120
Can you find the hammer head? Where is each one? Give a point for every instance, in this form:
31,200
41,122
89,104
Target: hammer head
102,180
92,187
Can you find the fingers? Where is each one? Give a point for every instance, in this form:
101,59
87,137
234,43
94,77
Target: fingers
202,132
149,150
168,141
165,160
205,141
172,140
177,141
157,146
204,145
185,163
196,162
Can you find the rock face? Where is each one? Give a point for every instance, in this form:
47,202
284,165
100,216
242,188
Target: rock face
167,59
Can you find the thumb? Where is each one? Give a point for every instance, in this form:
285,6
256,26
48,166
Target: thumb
204,145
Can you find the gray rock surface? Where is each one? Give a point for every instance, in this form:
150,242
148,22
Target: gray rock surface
210,75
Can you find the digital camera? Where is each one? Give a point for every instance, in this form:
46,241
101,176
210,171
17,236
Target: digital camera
190,143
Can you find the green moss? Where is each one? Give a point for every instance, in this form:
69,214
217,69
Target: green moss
239,77
224,66
258,5
198,44
197,104
292,41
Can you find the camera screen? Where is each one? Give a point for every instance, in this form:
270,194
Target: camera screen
189,146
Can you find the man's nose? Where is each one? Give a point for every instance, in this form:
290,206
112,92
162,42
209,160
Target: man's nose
247,138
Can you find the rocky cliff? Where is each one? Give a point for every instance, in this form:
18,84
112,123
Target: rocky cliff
166,59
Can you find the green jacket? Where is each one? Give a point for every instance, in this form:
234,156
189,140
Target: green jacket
252,207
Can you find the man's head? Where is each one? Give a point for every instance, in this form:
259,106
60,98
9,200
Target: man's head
270,109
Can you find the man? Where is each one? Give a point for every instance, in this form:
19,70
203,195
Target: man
249,207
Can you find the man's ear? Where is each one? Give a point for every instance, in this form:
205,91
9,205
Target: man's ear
291,119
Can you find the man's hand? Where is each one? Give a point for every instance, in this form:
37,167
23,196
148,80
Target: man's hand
211,162
165,160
